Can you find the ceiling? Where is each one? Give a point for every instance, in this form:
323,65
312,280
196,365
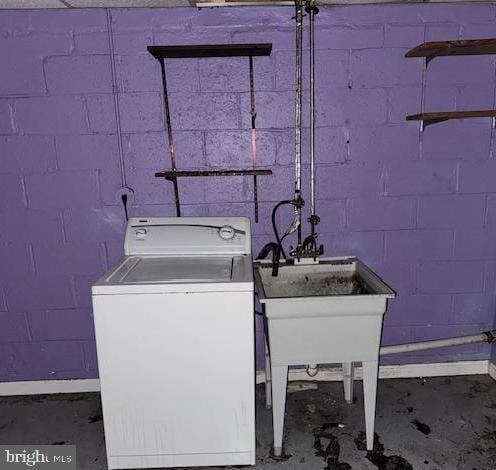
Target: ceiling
19,4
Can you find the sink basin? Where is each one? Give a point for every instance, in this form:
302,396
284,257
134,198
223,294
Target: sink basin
318,314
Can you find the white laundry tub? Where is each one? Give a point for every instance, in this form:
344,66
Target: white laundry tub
321,313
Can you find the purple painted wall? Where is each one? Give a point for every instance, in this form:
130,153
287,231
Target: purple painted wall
419,208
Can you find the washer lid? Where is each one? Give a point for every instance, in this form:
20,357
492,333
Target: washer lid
162,274
163,270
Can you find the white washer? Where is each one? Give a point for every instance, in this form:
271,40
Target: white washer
175,340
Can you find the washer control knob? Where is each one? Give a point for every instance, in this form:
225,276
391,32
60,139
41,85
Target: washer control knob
140,233
226,232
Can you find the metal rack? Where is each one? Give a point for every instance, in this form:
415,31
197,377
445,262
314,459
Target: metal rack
432,49
204,51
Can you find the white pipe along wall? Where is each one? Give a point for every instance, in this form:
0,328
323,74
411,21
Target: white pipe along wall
486,336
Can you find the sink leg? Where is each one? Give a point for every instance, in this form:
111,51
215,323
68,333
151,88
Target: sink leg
370,373
279,384
348,381
268,380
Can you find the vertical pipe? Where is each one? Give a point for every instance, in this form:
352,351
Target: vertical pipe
116,99
172,150
311,12
298,107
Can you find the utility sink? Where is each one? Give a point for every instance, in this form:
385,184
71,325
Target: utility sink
330,312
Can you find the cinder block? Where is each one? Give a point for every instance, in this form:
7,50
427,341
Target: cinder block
25,154
90,357
62,189
332,215
442,32
57,325
421,177
232,74
348,37
14,327
230,189
78,74
50,292
22,74
366,107
473,308
128,20
199,111
101,113
141,72
274,110
450,276
107,223
431,309
470,70
350,180
233,149
54,115
474,243
403,36
67,259
133,42
415,245
461,134
457,13
371,68
26,225
46,359
11,192
5,119
402,102
476,30
353,107
88,152
470,97
141,112
401,275
385,213
477,177
451,211
368,246
395,334
91,43
442,96
17,257
151,150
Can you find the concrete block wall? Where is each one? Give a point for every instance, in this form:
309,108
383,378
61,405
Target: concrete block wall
420,208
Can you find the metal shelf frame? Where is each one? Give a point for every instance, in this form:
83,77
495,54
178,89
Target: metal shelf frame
161,53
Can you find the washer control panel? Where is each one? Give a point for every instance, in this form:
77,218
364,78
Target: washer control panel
188,235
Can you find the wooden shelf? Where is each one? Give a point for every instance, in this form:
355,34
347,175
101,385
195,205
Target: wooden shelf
210,50
433,49
172,174
432,118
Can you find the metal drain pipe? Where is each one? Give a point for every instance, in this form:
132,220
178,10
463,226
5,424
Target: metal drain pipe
485,337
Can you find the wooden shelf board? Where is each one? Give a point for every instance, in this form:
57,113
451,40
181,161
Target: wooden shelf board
210,50
454,48
446,115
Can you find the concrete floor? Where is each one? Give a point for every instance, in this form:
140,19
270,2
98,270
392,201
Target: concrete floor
437,423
